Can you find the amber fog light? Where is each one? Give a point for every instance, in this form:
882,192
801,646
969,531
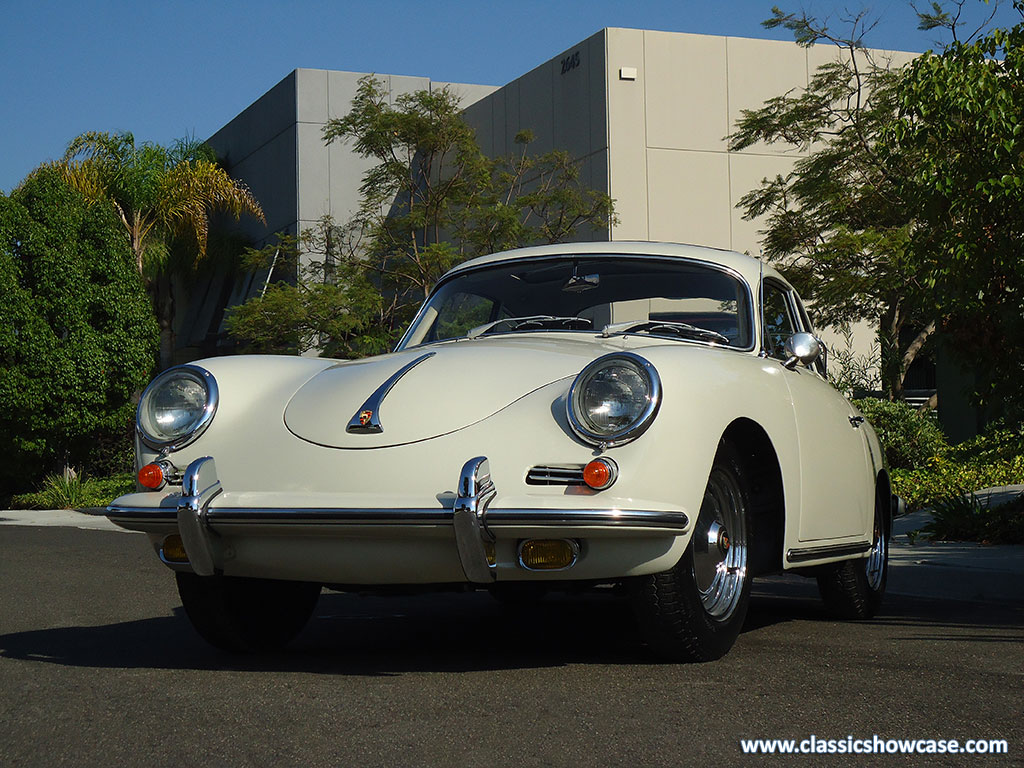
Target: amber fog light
491,552
173,550
600,474
152,476
548,554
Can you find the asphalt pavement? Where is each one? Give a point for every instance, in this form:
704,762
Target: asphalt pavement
99,666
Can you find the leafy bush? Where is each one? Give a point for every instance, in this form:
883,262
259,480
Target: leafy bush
968,518
993,458
77,334
73,490
910,439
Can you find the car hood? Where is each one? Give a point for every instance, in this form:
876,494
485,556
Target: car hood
458,384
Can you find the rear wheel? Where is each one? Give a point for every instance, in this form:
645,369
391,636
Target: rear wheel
695,611
245,615
853,589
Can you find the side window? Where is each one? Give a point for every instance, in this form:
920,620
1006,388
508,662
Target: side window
779,323
460,313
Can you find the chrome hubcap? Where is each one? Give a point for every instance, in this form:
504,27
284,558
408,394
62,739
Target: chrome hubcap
720,546
875,564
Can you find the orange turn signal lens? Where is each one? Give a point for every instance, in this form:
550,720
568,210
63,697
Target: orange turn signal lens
600,474
151,476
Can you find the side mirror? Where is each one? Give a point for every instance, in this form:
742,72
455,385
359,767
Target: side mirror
801,348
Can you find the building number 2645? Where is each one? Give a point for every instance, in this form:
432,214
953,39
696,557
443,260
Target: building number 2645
570,62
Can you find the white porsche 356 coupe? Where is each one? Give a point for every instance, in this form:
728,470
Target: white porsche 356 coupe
644,414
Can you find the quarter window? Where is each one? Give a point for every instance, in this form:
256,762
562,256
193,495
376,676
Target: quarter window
779,323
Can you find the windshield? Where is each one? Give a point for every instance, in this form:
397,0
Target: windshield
615,294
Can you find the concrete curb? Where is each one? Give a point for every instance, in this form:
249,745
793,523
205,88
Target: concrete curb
58,518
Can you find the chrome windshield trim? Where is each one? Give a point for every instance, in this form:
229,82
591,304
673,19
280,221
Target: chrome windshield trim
803,554
457,273
496,518
367,419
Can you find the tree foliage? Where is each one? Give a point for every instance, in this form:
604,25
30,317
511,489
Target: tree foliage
329,306
838,223
961,119
906,209
431,200
77,335
159,193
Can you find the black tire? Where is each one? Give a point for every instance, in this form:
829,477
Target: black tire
694,612
246,615
853,589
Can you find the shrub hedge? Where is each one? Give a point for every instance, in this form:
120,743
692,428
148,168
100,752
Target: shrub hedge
77,333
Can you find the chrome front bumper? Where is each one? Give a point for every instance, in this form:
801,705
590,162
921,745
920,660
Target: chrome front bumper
471,518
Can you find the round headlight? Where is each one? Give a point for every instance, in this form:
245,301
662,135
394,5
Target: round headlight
177,406
614,399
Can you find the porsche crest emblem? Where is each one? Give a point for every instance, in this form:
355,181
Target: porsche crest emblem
364,417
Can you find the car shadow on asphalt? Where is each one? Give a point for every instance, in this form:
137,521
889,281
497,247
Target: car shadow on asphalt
380,636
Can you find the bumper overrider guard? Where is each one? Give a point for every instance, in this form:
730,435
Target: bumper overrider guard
471,518
199,486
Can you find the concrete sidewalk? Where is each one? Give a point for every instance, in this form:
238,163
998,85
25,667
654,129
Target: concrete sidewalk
59,518
956,570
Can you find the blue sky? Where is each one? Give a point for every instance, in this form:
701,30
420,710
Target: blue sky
166,69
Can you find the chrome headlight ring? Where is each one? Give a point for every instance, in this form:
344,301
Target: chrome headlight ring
193,426
636,373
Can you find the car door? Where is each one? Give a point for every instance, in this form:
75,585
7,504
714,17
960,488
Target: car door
836,487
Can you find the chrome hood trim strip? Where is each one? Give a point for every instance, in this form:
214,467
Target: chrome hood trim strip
367,419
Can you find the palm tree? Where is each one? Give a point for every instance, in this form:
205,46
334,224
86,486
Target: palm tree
159,193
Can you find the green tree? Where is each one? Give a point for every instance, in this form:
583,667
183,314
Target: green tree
532,199
77,334
158,193
431,201
961,117
838,223
312,299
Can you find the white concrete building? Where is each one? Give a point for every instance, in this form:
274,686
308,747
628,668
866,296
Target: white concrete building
645,113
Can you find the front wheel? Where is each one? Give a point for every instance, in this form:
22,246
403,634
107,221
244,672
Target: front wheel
245,615
853,589
695,611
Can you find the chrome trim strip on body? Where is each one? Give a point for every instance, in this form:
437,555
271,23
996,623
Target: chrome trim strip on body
495,518
168,514
603,518
366,420
555,474
803,554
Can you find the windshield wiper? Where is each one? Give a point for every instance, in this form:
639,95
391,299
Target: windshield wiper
533,321
658,326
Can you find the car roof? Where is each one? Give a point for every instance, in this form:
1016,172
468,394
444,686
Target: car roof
747,266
